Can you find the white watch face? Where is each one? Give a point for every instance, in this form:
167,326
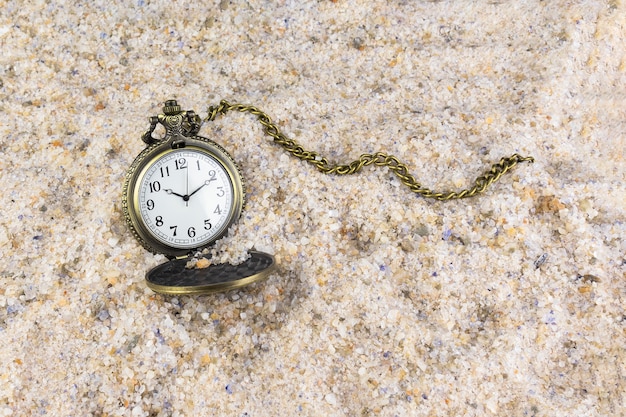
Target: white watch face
185,198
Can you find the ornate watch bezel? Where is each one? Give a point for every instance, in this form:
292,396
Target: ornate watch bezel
130,200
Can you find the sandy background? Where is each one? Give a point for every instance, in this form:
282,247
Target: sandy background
383,303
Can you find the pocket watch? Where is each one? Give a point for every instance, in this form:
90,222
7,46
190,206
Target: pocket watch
184,191
181,194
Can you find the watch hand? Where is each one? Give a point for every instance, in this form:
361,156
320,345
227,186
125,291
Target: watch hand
186,197
207,182
169,191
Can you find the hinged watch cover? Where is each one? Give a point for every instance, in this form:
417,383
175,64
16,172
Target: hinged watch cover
174,277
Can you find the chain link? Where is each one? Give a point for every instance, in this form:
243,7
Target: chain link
378,158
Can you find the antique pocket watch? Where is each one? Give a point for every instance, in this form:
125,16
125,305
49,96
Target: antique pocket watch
183,192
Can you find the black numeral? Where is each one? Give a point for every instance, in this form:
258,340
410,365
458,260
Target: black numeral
150,204
181,163
191,232
155,187
174,229
165,172
159,221
207,225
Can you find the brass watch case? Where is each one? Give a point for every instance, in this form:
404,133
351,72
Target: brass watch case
134,175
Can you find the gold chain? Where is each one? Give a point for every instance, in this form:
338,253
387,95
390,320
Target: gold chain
378,158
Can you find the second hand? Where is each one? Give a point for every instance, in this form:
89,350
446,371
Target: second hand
187,181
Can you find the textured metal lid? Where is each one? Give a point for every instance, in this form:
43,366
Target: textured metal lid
174,277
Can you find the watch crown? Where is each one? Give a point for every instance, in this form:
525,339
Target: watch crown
171,108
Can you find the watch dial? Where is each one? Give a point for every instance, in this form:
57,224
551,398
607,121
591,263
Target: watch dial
186,198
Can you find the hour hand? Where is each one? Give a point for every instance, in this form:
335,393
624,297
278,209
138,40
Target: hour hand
169,191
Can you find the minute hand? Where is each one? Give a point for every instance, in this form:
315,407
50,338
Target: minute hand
207,182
